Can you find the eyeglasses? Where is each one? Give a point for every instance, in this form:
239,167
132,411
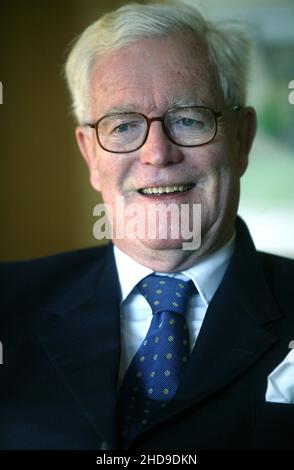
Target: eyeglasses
186,126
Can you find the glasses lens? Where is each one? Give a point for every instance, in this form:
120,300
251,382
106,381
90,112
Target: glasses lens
190,125
122,132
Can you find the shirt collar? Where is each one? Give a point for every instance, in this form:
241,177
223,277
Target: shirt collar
206,274
129,272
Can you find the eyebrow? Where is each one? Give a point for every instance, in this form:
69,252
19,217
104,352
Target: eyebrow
134,108
187,102
122,109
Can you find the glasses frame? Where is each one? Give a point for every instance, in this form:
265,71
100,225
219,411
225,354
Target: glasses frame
165,129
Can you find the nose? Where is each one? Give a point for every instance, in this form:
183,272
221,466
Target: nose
158,150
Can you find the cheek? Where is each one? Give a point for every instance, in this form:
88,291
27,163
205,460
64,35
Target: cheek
112,171
220,179
215,163
225,182
224,158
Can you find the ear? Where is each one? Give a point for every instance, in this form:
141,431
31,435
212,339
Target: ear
88,146
246,134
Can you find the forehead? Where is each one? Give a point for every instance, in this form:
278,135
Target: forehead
154,74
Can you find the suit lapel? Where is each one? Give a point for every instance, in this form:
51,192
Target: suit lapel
233,335
81,334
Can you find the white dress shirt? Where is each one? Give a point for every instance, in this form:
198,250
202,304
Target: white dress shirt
136,314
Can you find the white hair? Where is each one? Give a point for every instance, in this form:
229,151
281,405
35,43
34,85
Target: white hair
228,46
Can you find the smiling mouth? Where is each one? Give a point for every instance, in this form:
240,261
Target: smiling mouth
178,188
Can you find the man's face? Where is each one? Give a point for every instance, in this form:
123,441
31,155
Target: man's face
151,76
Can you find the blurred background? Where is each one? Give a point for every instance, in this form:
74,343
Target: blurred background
46,200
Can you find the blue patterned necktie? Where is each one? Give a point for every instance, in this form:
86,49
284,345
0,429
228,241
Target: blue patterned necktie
155,372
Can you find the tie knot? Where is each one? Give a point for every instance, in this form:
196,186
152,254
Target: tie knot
164,293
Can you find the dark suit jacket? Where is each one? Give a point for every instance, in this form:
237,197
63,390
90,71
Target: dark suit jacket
60,331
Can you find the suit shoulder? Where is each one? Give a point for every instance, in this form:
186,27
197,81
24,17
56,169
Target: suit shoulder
44,274
277,263
57,259
279,273
67,257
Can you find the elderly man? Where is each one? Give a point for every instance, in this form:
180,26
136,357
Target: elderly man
145,344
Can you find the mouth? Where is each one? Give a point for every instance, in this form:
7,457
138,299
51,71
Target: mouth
159,190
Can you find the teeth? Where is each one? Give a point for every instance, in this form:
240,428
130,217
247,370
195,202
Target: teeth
167,189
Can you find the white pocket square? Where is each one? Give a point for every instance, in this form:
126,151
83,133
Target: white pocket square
280,382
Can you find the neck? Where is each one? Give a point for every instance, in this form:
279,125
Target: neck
174,259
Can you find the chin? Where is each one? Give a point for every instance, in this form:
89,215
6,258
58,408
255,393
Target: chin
159,244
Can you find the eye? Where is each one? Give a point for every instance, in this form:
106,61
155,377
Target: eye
122,128
187,122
